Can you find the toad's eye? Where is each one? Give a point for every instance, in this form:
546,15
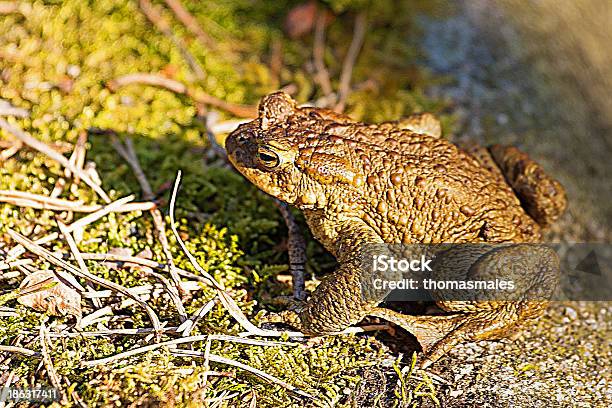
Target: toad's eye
267,157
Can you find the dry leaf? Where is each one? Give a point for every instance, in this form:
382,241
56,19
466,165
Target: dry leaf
58,300
300,19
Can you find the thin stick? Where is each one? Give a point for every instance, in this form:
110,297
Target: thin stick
190,323
81,150
46,150
19,350
318,53
237,364
225,298
49,256
113,332
118,258
6,109
349,61
129,154
10,265
297,250
245,111
53,376
182,340
11,151
206,362
19,249
191,23
154,15
349,330
148,289
41,202
77,255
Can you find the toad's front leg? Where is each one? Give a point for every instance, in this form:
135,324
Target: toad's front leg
346,296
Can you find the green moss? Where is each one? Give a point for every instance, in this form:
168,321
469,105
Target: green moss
56,61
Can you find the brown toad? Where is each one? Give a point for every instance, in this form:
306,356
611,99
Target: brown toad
395,182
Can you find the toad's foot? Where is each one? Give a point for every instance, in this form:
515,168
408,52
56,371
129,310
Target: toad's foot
482,314
437,335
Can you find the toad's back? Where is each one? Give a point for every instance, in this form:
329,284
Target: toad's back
413,188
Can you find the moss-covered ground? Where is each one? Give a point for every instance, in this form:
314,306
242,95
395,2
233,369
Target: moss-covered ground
56,59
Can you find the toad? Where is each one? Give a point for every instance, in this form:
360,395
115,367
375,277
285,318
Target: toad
398,182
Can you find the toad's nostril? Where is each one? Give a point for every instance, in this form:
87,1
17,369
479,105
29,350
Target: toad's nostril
244,137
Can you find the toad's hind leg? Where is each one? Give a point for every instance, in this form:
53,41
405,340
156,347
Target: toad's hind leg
542,196
488,314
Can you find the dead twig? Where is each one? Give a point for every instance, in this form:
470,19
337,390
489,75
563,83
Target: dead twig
349,61
190,323
206,362
10,265
51,372
78,155
245,111
50,257
6,109
148,289
16,251
182,340
19,350
41,202
11,151
143,262
77,256
227,301
154,15
191,23
115,257
113,332
129,154
296,246
46,150
223,360
318,53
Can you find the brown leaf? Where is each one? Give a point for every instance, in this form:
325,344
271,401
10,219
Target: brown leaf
58,300
300,19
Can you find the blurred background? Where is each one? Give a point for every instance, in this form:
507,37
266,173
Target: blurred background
175,77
